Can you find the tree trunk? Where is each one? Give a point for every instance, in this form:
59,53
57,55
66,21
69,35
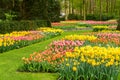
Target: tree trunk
21,8
69,6
13,3
107,6
87,6
95,7
90,6
72,7
46,17
114,7
65,4
84,10
100,9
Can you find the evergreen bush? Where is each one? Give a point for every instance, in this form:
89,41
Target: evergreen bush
9,26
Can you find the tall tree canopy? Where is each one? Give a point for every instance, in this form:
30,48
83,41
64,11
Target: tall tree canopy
99,8
31,9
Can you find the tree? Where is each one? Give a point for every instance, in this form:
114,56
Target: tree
54,10
100,9
25,8
84,9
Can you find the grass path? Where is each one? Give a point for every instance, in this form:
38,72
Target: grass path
11,60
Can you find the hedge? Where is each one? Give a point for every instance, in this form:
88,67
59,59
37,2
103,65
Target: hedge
9,26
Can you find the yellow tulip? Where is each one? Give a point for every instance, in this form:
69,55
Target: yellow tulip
74,68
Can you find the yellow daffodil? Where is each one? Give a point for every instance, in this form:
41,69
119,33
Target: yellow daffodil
74,68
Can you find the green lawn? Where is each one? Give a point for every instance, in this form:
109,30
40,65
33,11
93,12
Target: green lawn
10,61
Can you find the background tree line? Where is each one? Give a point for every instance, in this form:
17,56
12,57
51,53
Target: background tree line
91,9
50,9
30,9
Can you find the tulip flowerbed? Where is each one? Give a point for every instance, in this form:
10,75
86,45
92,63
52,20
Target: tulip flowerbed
114,22
94,56
23,38
86,25
49,60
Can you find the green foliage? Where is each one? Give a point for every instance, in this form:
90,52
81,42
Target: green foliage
41,9
62,19
54,10
86,71
9,26
118,27
37,67
105,9
79,17
9,16
2,16
75,17
96,17
91,17
35,10
72,17
31,9
106,17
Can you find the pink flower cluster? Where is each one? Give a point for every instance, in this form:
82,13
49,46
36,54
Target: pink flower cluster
61,24
112,27
29,37
62,46
99,22
66,23
108,37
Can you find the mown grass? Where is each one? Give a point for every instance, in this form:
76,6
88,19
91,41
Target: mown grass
11,60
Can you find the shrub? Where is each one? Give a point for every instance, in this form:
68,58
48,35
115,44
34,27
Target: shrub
75,17
91,17
72,17
62,18
106,17
79,17
96,17
8,26
2,16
